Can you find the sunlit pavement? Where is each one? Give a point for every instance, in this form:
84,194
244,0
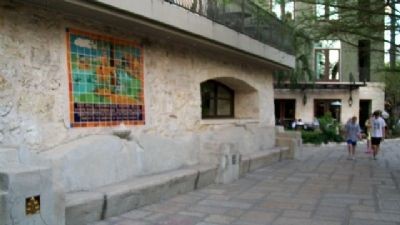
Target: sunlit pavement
322,187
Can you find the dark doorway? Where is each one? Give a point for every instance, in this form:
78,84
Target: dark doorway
285,111
365,112
327,106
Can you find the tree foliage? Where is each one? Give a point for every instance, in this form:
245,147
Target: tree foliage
392,90
363,19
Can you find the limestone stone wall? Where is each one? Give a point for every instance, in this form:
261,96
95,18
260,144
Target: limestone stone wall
375,92
34,103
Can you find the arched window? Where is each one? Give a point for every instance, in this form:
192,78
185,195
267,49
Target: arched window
217,100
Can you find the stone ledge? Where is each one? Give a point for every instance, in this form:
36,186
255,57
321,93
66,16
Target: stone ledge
256,160
83,207
89,206
104,202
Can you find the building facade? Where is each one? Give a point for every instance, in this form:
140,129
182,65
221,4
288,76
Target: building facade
97,93
346,67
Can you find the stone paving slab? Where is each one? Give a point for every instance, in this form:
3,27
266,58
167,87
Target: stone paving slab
322,187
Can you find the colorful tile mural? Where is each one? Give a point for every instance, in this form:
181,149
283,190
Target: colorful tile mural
105,80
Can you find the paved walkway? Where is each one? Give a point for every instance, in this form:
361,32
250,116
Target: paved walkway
320,188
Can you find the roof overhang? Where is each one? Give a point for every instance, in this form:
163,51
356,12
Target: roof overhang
161,20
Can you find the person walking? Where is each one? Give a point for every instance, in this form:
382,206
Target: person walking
368,134
353,134
378,126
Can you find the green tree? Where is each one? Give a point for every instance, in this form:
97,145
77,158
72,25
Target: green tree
392,90
347,19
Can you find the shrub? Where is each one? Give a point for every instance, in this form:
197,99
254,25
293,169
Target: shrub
329,131
313,137
395,130
393,127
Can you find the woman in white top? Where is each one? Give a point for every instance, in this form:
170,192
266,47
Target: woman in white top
378,125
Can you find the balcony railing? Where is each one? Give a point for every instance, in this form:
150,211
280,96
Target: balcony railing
246,17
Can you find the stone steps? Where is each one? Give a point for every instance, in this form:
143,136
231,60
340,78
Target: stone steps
89,206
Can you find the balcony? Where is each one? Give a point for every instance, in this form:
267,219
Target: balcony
245,17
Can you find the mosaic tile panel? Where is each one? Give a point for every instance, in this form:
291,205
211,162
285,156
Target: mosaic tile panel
105,80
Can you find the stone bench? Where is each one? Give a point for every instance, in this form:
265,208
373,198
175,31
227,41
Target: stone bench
112,200
257,160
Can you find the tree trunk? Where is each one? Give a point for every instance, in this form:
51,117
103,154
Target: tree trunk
392,50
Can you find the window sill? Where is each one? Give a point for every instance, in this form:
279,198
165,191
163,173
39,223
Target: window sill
227,121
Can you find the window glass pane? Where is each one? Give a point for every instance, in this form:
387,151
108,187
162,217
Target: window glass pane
320,10
288,7
208,107
320,64
319,109
207,89
223,92
216,100
327,60
334,68
276,8
224,108
333,13
289,108
335,110
325,9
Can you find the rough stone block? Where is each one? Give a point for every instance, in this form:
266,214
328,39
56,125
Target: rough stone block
116,199
292,144
20,182
179,185
264,158
120,199
244,166
206,175
228,164
83,207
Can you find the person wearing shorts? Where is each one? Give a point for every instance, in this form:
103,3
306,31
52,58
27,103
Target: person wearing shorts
378,125
353,134
368,134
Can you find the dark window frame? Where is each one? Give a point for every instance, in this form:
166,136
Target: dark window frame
364,60
285,111
215,85
272,4
328,12
327,70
